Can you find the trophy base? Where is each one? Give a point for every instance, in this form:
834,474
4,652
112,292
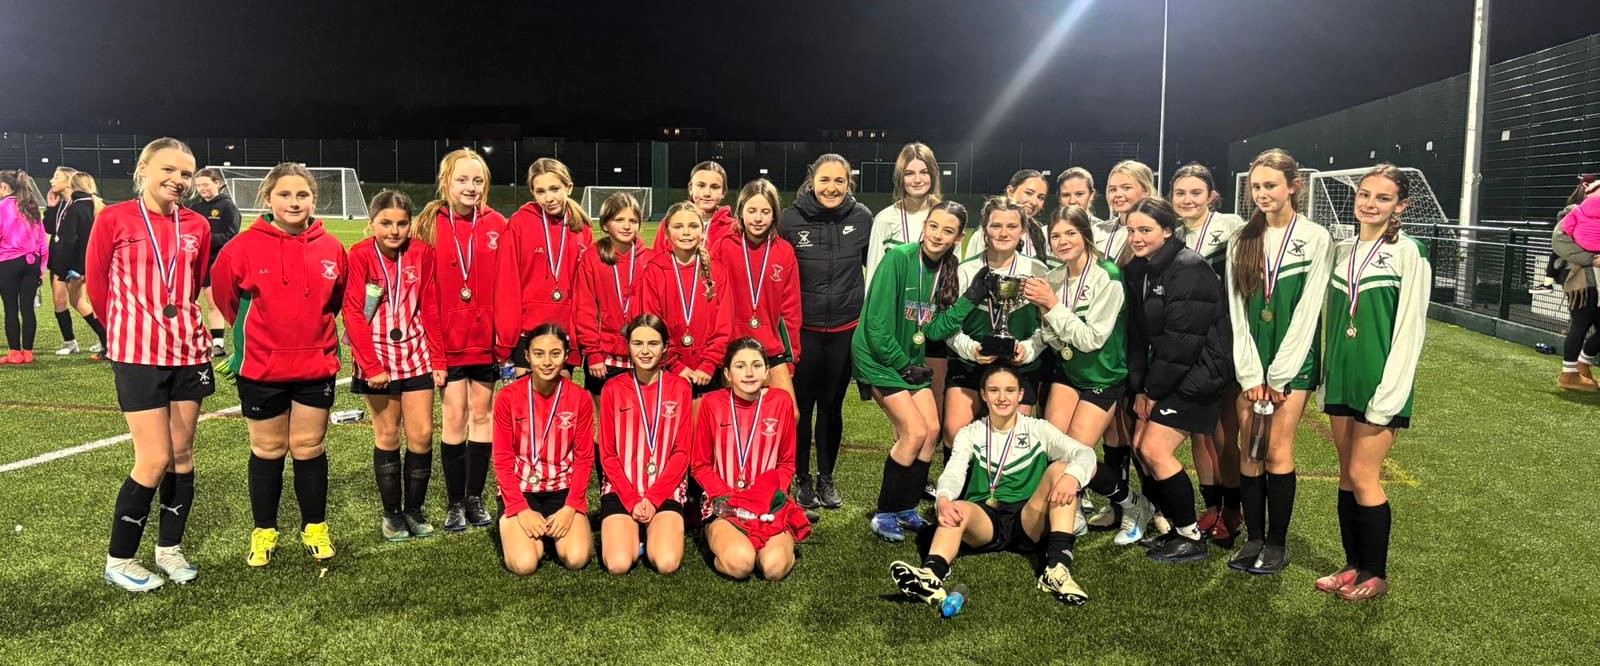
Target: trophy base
1003,349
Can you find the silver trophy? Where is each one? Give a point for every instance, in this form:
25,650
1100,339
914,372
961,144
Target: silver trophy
1005,296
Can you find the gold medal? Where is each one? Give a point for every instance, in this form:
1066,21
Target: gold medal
556,295
918,338
755,323
650,468
1350,332
992,502
740,485
1266,316
1066,353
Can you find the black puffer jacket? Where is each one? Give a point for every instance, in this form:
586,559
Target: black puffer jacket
70,242
830,245
1179,339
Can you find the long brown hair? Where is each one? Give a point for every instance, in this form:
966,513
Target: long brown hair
577,220
702,252
616,204
425,225
916,150
948,288
1030,225
1249,266
22,188
1402,183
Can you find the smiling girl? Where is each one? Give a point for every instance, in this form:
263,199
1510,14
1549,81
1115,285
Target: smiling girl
608,291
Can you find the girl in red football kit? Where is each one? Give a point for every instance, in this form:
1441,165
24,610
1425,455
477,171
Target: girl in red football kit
644,449
549,237
281,283
467,238
145,263
744,447
391,317
607,292
685,288
543,455
708,187
763,281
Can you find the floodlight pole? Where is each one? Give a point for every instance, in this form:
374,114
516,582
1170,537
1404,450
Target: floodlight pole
1161,136
1472,156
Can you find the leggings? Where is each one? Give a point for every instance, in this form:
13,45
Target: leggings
19,284
1579,339
821,380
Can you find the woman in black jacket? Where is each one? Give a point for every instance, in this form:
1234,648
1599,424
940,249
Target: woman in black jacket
72,219
1179,360
830,232
1578,269
223,215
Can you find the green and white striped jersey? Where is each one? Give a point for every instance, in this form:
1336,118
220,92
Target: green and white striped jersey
1023,322
1281,335
1374,371
1013,461
891,227
1090,321
1211,239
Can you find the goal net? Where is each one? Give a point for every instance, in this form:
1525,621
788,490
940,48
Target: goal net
338,190
1333,197
594,197
1244,206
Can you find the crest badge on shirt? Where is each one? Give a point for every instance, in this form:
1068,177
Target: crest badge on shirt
769,427
802,238
669,409
330,269
494,239
566,420
410,274
189,244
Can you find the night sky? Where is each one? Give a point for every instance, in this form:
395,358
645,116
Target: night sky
742,70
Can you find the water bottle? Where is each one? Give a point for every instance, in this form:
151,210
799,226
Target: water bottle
1261,430
725,510
508,372
346,416
1544,348
954,600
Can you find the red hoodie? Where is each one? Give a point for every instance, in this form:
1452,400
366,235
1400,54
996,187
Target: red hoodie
473,331
282,293
419,350
660,282
529,267
779,309
721,224
598,312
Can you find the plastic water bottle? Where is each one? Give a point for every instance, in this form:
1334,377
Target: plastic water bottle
1544,348
725,510
1261,430
347,416
954,600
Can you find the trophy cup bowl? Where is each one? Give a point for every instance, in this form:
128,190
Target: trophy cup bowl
1005,296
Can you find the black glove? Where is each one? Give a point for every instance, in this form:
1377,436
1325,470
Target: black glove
916,374
979,289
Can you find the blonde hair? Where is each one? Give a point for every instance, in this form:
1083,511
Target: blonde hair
704,254
1139,172
916,150
759,187
615,205
149,153
425,225
82,181
576,218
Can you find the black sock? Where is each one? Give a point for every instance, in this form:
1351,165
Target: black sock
1374,523
266,489
477,466
891,490
1349,532
1211,494
175,504
1179,495
419,469
1117,458
216,333
916,481
938,565
386,467
1107,483
1253,495
64,322
453,458
1230,498
1058,548
98,328
1280,506
311,489
129,517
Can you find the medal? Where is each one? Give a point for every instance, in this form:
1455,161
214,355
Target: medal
533,478
686,302
688,340
924,310
392,287
992,502
537,441
394,334
1353,282
464,261
1273,271
1350,332
742,445
1266,316
757,284
616,281
1077,296
553,264
999,470
650,468
651,423
1066,353
918,338
168,270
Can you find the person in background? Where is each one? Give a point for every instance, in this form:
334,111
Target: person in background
219,210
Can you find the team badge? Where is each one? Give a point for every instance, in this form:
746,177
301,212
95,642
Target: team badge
769,427
330,269
1297,248
494,239
669,409
566,420
188,243
410,275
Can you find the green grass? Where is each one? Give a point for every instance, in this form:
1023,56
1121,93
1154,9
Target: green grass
1492,559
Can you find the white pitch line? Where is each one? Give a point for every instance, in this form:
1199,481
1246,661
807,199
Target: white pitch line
110,441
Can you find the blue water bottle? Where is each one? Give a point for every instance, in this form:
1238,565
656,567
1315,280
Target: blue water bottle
954,600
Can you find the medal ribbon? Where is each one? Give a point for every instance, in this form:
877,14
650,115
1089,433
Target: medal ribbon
1200,238
743,446
1355,275
616,280
464,261
536,446
651,424
1000,469
687,302
757,285
1274,271
168,270
554,264
392,287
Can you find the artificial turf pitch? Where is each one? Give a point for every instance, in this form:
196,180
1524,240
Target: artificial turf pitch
1492,558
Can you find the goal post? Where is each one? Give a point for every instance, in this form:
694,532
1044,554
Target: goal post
594,197
338,190
1332,205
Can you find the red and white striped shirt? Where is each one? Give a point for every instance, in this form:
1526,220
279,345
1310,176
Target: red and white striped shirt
766,429
544,445
128,290
635,467
407,302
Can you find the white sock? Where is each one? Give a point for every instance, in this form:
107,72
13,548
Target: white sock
1569,366
112,562
1190,531
1585,359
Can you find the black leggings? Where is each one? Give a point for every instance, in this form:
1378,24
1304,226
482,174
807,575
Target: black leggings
1579,338
19,284
821,380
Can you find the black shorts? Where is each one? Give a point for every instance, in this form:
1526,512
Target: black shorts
141,387
547,503
210,264
483,373
696,390
1104,398
1361,417
611,505
265,400
776,360
593,386
359,386
1008,532
966,375
1179,413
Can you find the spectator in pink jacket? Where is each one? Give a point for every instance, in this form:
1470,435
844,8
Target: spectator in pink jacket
24,252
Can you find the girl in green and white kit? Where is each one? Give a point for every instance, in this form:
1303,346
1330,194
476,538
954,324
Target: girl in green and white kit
1374,343
1278,271
912,283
